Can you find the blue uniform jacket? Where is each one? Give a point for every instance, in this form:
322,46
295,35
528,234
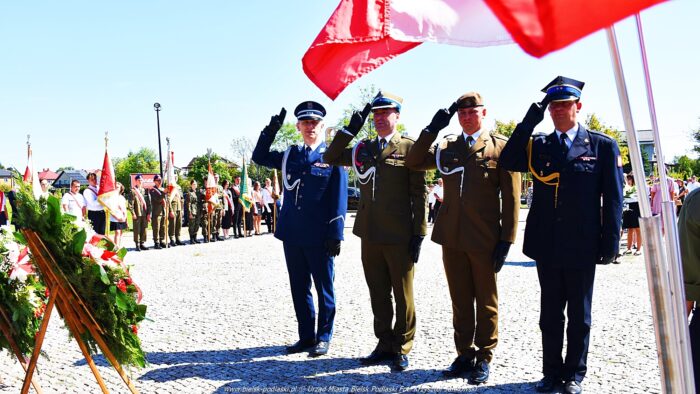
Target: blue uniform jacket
314,209
579,221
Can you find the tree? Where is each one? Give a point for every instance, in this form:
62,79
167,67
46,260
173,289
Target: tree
595,124
286,137
696,137
242,149
143,161
66,168
2,167
200,168
505,128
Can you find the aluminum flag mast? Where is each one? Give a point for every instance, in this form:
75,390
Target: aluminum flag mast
662,252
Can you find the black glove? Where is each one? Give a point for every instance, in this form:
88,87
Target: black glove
535,114
414,247
604,260
333,247
441,119
357,120
275,123
499,255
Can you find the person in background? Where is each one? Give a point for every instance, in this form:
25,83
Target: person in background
117,220
682,192
269,204
630,217
689,240
238,208
73,202
3,209
95,211
227,219
437,195
193,212
44,188
258,207
431,204
693,183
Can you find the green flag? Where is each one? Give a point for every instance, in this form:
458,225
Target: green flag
244,198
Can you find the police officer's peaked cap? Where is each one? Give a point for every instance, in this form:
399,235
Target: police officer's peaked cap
470,100
309,110
563,89
387,100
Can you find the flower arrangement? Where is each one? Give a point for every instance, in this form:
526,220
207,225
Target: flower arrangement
22,294
96,270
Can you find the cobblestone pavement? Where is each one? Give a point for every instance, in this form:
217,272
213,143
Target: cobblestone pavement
222,314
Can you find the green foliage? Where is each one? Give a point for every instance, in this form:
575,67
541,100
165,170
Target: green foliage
595,124
93,271
686,167
368,130
144,161
287,136
200,168
66,168
505,128
696,137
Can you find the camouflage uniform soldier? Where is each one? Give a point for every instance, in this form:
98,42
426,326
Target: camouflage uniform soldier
175,217
138,206
157,198
194,212
202,213
218,213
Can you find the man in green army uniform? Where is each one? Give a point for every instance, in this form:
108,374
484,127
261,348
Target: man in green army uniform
139,213
203,212
218,213
391,221
193,212
157,198
175,216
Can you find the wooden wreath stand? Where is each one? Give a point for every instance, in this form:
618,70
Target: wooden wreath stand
75,314
7,331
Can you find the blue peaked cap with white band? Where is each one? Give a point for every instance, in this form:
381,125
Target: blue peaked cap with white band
563,89
309,110
387,100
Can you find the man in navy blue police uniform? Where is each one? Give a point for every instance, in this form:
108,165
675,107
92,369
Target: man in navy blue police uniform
310,223
574,222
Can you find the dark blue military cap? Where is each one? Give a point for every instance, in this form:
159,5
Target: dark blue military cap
309,110
156,177
387,100
563,89
138,177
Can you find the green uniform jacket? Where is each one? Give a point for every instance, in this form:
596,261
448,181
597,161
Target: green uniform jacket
157,199
136,206
689,236
478,218
397,210
192,204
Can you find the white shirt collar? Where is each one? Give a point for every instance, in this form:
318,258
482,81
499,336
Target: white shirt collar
314,145
387,138
570,134
475,136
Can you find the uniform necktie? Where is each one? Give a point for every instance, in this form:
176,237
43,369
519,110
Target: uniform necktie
307,152
564,147
470,141
382,143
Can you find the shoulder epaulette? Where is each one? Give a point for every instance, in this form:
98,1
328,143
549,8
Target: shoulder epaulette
598,133
407,137
499,136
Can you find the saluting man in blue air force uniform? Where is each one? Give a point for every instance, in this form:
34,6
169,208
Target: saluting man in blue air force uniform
574,223
310,223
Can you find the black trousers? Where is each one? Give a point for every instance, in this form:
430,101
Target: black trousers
431,213
564,287
237,219
97,218
436,210
268,216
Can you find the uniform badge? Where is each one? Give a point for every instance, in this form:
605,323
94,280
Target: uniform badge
445,169
586,140
289,177
547,165
619,161
321,150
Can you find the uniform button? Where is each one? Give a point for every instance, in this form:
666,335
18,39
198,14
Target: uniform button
299,208
302,184
303,173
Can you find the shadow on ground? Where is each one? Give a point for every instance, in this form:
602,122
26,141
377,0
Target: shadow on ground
527,264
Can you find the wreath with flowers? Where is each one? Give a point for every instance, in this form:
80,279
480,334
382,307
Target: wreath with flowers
22,294
95,268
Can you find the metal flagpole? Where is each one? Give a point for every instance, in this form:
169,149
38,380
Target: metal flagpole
167,197
107,223
671,360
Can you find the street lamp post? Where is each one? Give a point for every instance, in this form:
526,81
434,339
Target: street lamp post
156,106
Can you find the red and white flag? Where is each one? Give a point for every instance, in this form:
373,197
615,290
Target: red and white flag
108,193
31,176
361,35
211,190
170,178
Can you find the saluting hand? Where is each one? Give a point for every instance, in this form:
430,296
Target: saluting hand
357,120
441,119
535,113
275,123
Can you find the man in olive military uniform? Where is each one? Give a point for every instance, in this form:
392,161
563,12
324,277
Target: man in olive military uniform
139,213
391,221
476,225
157,199
573,224
202,210
193,213
218,214
175,216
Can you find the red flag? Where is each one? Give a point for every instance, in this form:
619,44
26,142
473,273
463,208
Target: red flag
170,179
361,35
211,190
31,176
108,192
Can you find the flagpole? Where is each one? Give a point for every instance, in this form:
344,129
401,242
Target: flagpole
673,373
167,198
107,222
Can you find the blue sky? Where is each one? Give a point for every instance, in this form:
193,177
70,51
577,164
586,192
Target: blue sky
73,70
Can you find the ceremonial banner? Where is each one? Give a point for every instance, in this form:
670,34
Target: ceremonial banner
170,177
245,199
30,174
211,190
275,185
361,35
108,192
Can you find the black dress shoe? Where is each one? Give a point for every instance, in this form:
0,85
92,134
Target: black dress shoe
301,346
400,362
376,357
219,238
143,247
206,240
321,349
172,243
157,246
480,374
178,242
572,387
460,365
163,245
547,384
137,249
